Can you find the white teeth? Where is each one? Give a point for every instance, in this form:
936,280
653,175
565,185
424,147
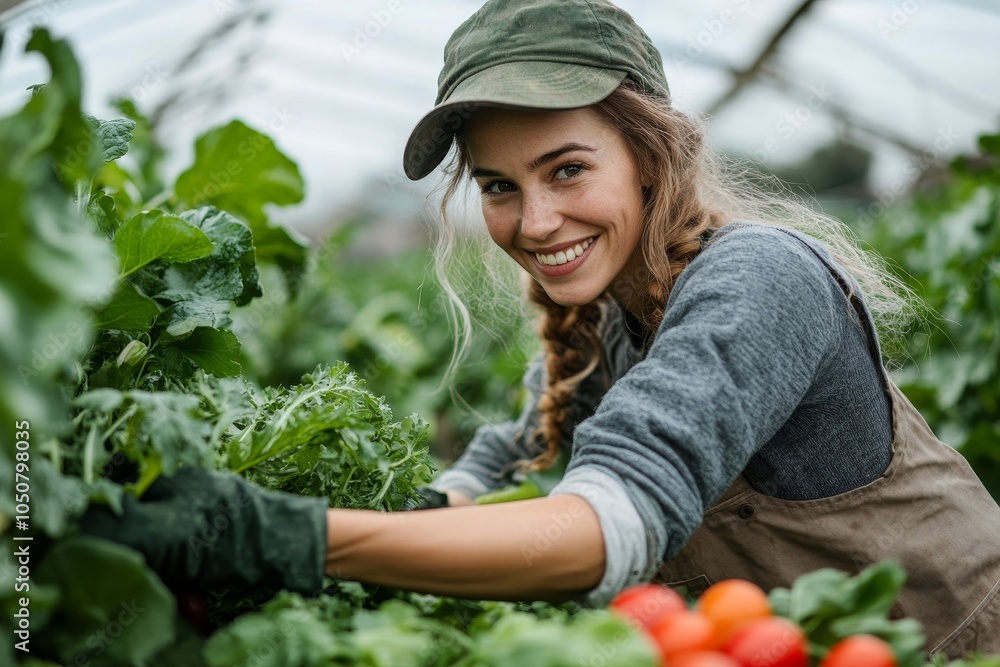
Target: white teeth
564,256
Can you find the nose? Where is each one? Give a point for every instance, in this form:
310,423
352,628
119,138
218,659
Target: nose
540,216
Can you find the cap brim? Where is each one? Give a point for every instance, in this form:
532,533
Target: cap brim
532,85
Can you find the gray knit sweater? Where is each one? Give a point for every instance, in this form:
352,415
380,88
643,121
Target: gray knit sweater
760,367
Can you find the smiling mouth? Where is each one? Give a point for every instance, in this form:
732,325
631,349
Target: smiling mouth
564,256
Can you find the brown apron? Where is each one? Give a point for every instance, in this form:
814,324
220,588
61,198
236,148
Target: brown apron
928,510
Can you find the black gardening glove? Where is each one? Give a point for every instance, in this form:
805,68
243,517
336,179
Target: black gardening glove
209,530
429,499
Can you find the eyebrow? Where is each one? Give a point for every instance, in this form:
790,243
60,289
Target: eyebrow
541,160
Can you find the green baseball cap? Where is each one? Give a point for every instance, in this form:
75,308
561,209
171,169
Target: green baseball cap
536,54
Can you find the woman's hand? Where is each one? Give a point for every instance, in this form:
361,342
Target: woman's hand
204,530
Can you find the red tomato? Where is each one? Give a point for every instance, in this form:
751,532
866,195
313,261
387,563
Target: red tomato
648,604
702,659
731,604
768,642
860,651
683,632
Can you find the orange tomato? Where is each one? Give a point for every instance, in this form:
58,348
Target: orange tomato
731,604
648,604
702,659
860,651
683,632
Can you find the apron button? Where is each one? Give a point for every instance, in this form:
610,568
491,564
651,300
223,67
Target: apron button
745,511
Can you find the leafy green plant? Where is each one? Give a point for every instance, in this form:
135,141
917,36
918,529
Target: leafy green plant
81,621
135,302
387,319
329,436
829,605
421,631
946,245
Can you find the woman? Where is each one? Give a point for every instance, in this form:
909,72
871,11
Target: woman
720,381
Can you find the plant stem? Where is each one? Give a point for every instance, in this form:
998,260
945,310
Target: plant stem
384,489
125,416
88,455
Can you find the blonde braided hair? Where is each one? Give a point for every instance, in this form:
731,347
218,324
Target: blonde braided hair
573,351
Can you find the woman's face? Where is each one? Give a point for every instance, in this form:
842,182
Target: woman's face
562,196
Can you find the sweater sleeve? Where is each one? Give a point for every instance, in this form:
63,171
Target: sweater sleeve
748,325
487,462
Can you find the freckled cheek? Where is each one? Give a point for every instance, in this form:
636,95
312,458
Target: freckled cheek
582,204
501,229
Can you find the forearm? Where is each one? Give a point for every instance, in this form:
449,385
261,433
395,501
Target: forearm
544,549
458,499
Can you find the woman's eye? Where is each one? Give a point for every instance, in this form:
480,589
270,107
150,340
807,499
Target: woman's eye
568,170
498,187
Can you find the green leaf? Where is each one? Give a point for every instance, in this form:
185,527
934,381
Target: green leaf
239,170
154,235
103,211
393,635
52,118
275,244
55,498
202,289
100,400
781,601
815,594
521,639
231,269
113,610
874,590
196,311
112,136
281,638
128,310
55,265
117,183
217,352
167,432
